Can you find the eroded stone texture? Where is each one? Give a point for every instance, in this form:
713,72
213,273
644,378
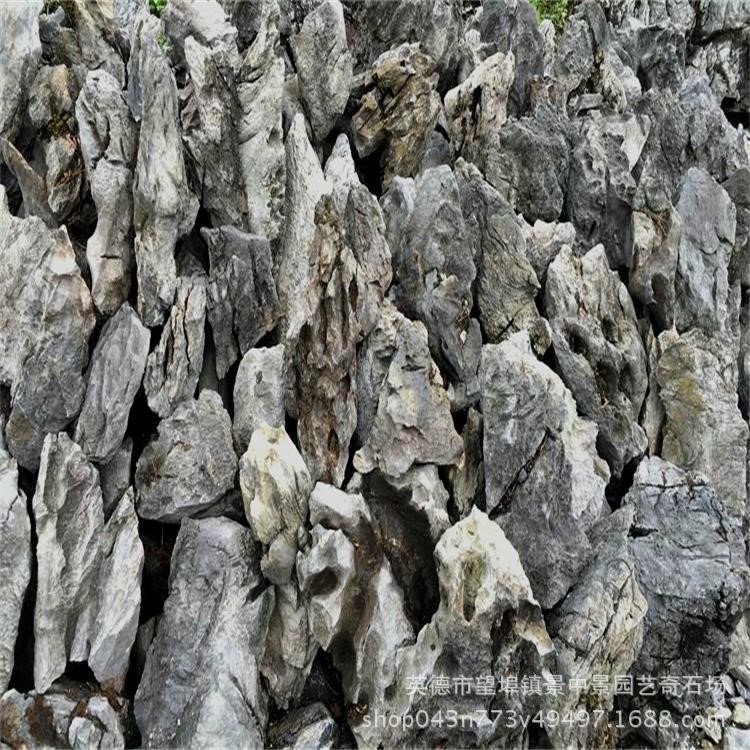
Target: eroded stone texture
403,413
114,476
42,355
433,268
689,553
190,464
544,480
242,302
15,560
704,430
258,394
202,673
173,368
113,378
164,209
324,65
398,107
599,350
108,143
324,358
89,573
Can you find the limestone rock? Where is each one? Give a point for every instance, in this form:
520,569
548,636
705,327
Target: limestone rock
114,476
42,356
108,144
164,209
173,368
544,480
89,573
15,560
113,378
324,65
242,301
403,413
190,464
202,677
258,394
599,350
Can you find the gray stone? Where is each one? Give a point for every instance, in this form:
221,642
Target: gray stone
308,728
324,66
42,356
403,410
190,464
19,60
689,553
467,479
15,560
704,430
173,368
114,476
202,675
89,573
544,240
433,268
242,301
397,110
108,144
164,209
323,362
260,88
599,350
544,480
113,378
258,394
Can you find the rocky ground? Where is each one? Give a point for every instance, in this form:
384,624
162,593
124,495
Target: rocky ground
364,361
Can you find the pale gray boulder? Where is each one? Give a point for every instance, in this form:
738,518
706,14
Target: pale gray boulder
33,187
202,675
64,176
689,554
70,715
704,430
258,394
108,144
544,480
114,476
112,380
260,88
599,350
598,628
190,464
15,560
305,185
242,303
397,110
544,240
164,208
42,356
433,268
20,54
324,66
308,728
323,361
403,413
89,573
703,297
466,480
205,23
173,368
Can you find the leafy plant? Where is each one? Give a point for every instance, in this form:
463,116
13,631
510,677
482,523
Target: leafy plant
157,6
164,44
553,10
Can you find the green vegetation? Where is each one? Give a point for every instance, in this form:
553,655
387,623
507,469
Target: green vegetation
164,44
554,10
157,6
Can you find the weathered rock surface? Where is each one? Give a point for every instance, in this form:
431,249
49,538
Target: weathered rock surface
544,480
242,301
89,573
108,144
190,464
164,208
173,368
113,377
599,350
42,355
15,560
202,674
